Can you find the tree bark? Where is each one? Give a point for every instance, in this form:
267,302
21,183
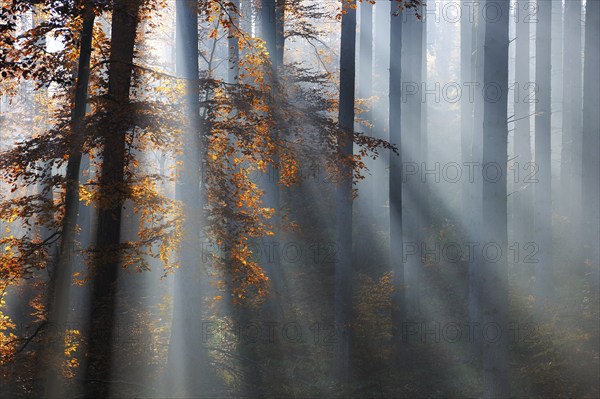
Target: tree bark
466,112
494,284
522,213
343,196
543,114
234,46
279,32
270,30
411,155
107,257
591,145
366,188
395,177
60,285
570,158
381,74
474,224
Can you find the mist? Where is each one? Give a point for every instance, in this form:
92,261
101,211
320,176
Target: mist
299,198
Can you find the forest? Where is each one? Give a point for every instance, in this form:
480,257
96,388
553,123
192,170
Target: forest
300,199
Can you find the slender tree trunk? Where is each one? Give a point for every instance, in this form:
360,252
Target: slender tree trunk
591,145
366,196
425,194
570,159
522,214
269,33
107,262
466,104
467,66
271,28
381,64
543,201
494,287
556,82
234,46
60,285
411,147
396,228
343,196
46,189
280,31
474,223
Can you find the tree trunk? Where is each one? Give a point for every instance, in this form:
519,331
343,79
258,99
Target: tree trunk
366,188
234,46
570,158
60,285
107,262
425,194
270,29
411,147
396,228
556,82
188,371
381,64
466,115
543,201
280,32
522,213
474,222
494,284
343,197
591,145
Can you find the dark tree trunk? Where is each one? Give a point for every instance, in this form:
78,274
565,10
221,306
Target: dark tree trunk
396,228
411,148
494,284
279,32
107,262
466,106
425,194
343,196
270,29
591,144
60,285
234,46
543,113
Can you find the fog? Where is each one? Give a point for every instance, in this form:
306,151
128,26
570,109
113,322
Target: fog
299,198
